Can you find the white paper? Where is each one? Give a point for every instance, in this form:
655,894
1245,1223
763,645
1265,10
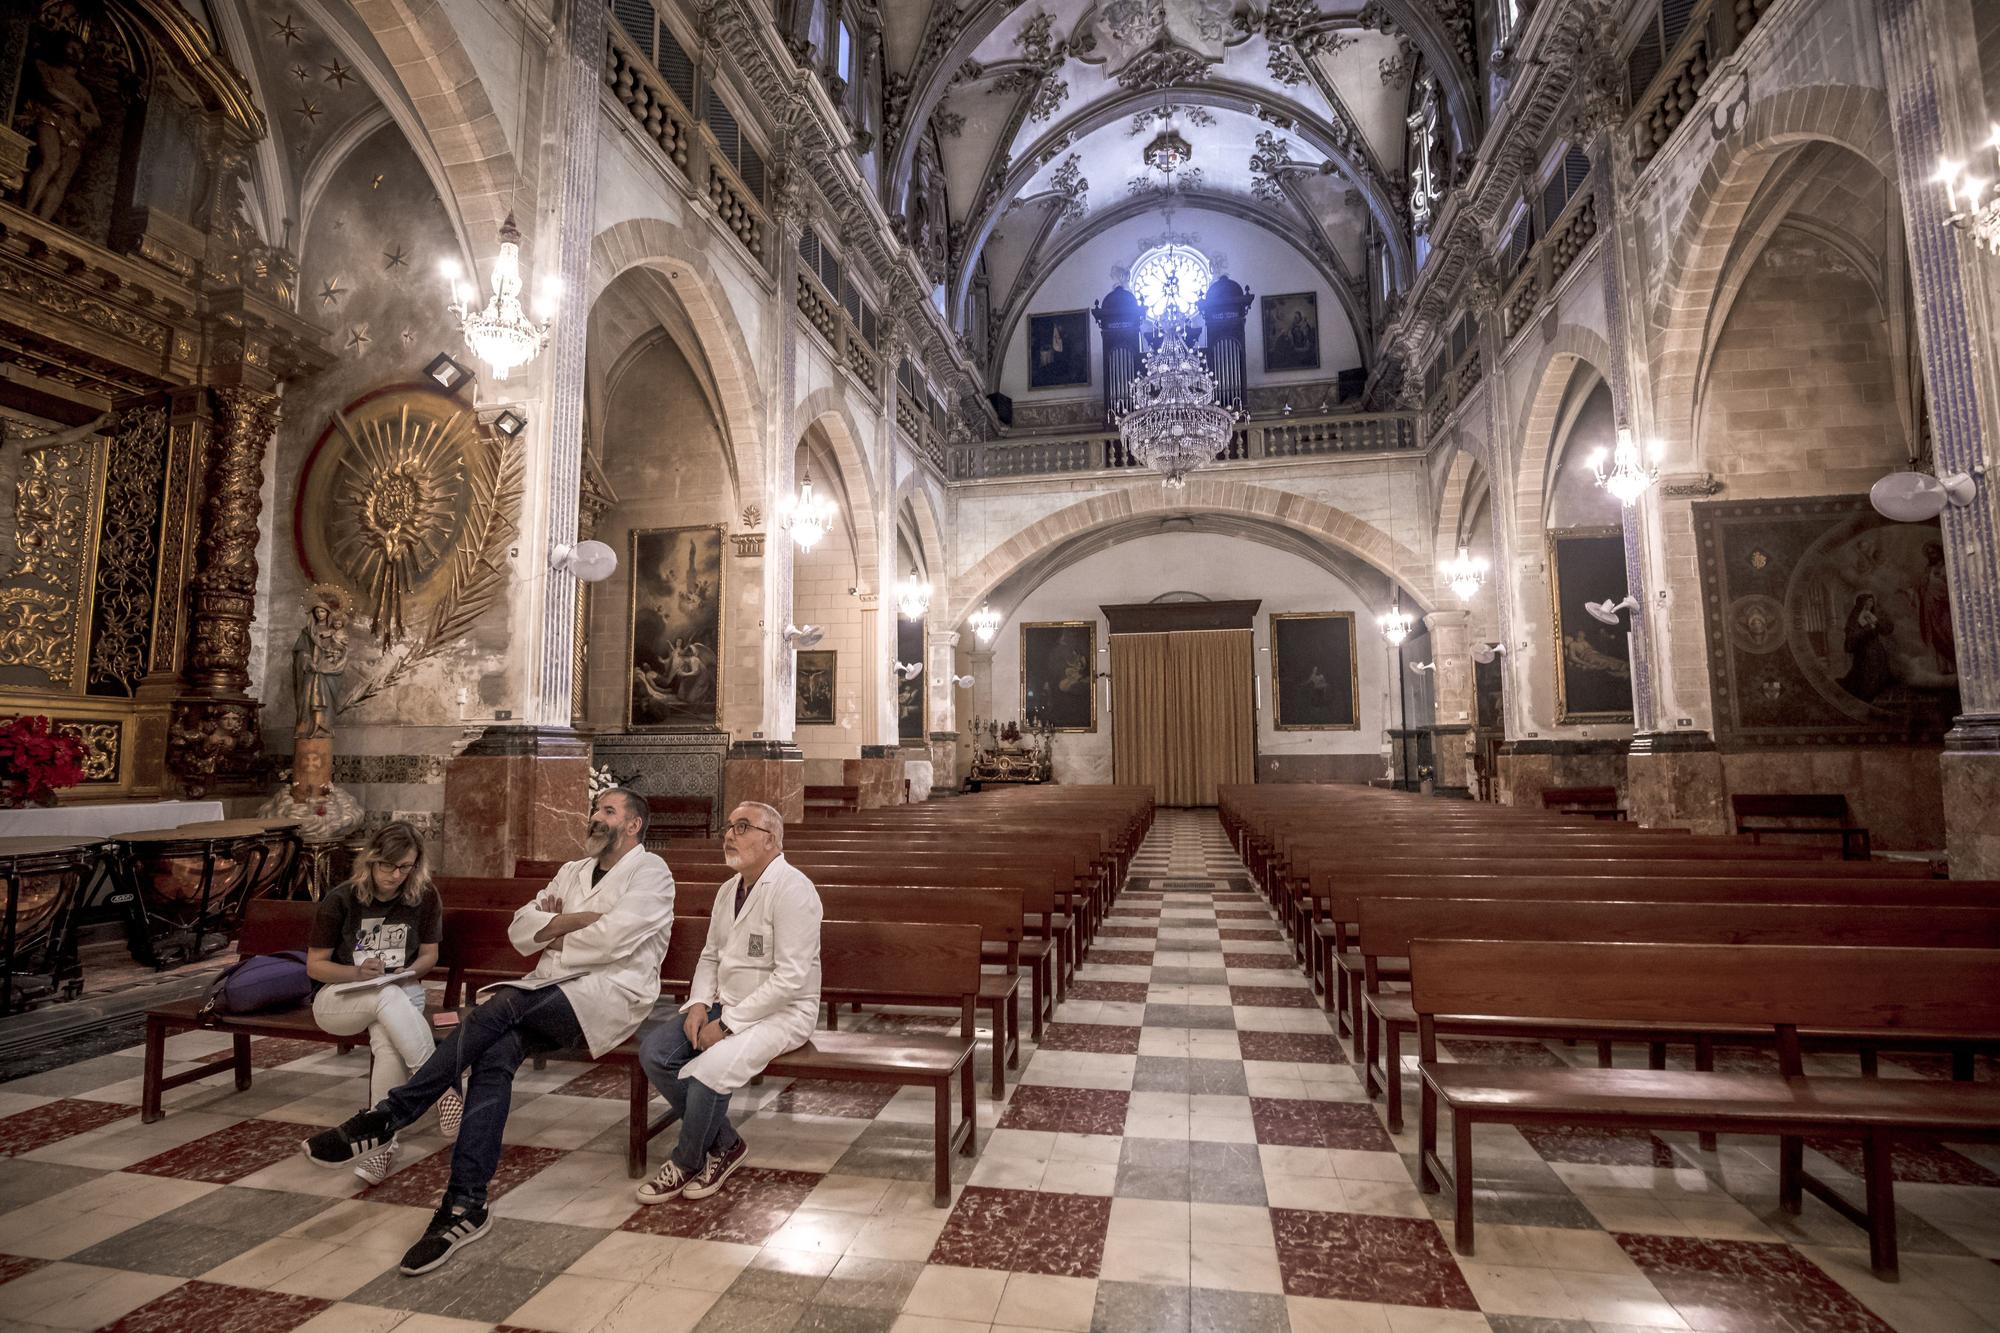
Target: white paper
533,983
344,987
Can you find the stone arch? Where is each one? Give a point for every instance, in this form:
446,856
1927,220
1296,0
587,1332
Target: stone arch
930,536
1538,416
1452,496
1203,494
827,409
1851,117
679,256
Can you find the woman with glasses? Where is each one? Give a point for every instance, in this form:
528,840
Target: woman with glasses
384,922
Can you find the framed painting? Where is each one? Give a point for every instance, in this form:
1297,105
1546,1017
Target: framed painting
1314,682
1059,349
676,619
912,696
1291,331
815,688
1593,659
1827,624
1059,674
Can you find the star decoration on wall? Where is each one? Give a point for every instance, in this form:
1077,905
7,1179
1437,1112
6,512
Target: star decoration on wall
289,31
408,336
338,75
331,292
380,176
301,73
358,339
308,111
395,257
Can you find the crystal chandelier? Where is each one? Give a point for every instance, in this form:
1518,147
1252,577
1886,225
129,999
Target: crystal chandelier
913,598
1174,425
985,623
499,333
806,516
1629,475
1466,575
1963,191
1395,622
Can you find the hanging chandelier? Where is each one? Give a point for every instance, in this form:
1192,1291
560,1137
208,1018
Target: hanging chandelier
1174,424
913,598
1396,623
1466,575
1629,475
806,516
499,333
985,623
1963,191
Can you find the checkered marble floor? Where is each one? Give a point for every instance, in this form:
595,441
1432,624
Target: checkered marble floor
1187,1149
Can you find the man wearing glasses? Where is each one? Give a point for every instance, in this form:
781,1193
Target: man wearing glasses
755,996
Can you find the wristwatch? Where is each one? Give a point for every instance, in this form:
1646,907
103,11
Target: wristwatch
727,1031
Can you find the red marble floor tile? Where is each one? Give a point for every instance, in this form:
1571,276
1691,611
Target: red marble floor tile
1922,1161
1121,992
752,1206
854,1101
1736,1286
1274,997
213,1307
39,1126
1292,1123
607,1081
1127,932
1099,1038
1024,1231
14,1265
1119,958
421,1184
1361,1257
1241,914
1261,962
1241,933
1597,1147
1307,1048
1511,1054
270,1052
1066,1110
228,1154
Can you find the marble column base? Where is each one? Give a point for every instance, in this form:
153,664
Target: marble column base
944,760
515,793
1971,796
878,778
771,772
1525,769
1677,787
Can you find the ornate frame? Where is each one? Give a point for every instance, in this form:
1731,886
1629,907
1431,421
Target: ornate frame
1089,627
1564,717
1353,674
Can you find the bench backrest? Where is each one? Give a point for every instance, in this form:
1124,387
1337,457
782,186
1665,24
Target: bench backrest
1743,888
1948,992
1555,797
1818,805
273,926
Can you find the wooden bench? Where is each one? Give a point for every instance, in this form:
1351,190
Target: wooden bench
1945,994
1800,816
832,800
1596,802
673,817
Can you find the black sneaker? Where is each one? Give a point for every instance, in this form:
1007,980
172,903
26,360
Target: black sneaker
716,1170
450,1228
357,1136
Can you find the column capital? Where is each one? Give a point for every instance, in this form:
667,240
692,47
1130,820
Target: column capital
1446,619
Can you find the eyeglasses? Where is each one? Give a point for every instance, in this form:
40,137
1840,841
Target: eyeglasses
401,869
743,826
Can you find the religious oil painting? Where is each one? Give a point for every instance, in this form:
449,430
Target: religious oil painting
1059,349
1291,331
815,688
1593,659
911,695
676,627
1313,682
1059,674
1827,623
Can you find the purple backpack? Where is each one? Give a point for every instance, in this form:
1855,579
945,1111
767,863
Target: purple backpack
258,985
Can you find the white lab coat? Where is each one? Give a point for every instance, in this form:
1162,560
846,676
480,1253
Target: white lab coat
764,968
620,952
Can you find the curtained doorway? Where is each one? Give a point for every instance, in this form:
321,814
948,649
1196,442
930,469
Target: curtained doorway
1183,700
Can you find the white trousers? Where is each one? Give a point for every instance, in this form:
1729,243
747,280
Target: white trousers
398,1034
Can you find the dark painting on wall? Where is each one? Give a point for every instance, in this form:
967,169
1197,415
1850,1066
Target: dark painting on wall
1291,331
1059,674
816,688
1487,695
1593,659
1059,349
676,618
1313,682
1827,623
910,694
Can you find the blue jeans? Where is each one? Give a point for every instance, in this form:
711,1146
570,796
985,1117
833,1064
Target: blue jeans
704,1112
488,1045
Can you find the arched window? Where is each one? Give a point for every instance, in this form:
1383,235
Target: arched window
1180,266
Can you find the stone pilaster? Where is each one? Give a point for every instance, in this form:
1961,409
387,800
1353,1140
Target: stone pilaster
1674,779
1451,753
516,792
779,714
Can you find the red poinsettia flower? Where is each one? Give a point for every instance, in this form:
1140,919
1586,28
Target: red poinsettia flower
37,760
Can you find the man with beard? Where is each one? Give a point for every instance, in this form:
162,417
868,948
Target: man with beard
755,996
601,929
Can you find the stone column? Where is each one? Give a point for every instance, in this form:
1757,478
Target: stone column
1451,732
942,664
213,732
1937,109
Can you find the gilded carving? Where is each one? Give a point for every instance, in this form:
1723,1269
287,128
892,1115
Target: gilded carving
127,559
38,629
395,496
45,586
226,588
58,299
101,740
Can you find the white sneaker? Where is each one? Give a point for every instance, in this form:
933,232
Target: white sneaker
374,1168
451,1110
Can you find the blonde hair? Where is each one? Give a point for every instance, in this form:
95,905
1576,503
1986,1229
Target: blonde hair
387,847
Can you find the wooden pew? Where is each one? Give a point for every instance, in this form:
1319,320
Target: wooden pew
1801,816
1596,802
1941,994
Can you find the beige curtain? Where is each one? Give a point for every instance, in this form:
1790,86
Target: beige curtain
1182,718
